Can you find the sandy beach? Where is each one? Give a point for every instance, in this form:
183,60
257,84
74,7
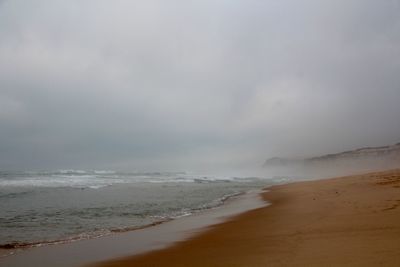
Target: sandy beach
345,221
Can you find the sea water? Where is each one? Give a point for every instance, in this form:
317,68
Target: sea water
60,206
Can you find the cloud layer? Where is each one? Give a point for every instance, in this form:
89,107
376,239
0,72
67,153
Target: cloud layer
172,85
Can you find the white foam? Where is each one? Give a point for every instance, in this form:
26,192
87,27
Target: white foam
96,179
75,181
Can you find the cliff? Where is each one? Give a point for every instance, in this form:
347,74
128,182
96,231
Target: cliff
379,157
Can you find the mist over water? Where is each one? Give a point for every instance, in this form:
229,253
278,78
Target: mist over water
212,88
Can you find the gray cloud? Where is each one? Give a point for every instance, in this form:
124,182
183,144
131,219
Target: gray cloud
194,84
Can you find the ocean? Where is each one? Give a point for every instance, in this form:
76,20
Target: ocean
39,208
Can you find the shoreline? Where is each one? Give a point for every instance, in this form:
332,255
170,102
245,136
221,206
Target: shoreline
132,242
18,246
7,249
351,220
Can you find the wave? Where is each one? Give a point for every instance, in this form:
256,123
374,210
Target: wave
96,179
81,181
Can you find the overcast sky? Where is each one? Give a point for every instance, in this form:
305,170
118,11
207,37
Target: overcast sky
180,85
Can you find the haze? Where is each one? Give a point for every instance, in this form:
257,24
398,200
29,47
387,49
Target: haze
194,85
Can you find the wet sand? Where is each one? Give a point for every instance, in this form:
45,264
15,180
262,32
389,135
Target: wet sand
346,221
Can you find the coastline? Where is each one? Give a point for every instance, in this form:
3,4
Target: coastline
11,248
136,241
345,221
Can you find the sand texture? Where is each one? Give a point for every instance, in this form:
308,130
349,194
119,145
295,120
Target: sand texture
346,221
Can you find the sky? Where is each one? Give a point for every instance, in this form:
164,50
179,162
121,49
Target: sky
182,85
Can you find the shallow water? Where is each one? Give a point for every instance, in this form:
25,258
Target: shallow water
89,251
41,207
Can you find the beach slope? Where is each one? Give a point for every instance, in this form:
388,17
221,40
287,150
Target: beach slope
346,221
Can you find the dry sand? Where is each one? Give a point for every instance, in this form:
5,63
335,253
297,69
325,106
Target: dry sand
346,221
